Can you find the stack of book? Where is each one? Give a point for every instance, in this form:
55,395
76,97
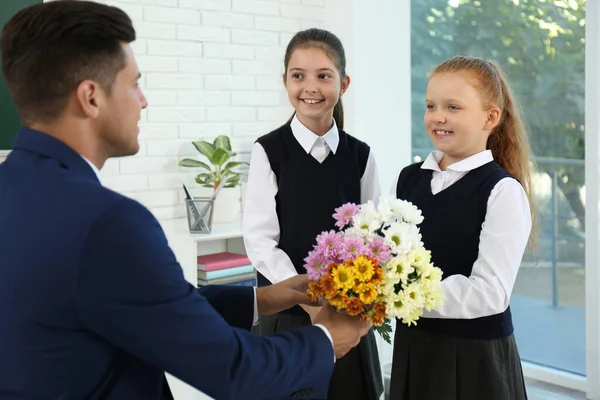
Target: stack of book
225,269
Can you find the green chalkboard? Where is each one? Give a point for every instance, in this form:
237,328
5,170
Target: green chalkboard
9,119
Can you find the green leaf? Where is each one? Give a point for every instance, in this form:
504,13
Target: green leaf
204,148
222,142
233,164
384,331
219,157
201,181
188,162
232,181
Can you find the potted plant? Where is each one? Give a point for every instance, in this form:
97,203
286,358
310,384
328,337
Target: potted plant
221,169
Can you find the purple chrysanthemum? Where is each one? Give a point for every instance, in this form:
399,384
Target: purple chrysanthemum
352,247
315,265
379,250
329,244
344,213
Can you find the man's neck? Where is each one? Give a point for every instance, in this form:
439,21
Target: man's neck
76,138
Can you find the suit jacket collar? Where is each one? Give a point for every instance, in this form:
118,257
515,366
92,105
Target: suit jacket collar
48,146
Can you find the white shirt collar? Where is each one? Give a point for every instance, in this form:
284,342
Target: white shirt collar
96,171
307,138
468,164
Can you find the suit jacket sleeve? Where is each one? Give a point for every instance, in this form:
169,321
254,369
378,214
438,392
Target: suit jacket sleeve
234,303
130,290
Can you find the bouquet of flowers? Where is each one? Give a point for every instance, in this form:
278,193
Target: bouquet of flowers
376,266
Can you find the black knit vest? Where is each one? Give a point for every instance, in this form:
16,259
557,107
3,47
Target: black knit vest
450,230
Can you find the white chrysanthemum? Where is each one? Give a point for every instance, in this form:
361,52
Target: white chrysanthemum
399,306
421,256
356,231
400,267
434,298
369,208
413,295
390,207
435,274
407,211
402,237
385,207
367,221
386,288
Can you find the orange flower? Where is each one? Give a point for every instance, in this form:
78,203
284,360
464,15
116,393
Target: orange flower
377,275
312,296
379,315
316,287
330,267
354,306
337,300
327,284
377,320
314,291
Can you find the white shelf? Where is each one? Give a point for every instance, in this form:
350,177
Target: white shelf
178,228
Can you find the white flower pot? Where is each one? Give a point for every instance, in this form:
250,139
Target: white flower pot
227,204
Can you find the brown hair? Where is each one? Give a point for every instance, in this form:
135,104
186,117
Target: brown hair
48,49
508,141
332,46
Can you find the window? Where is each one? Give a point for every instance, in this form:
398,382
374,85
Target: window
541,46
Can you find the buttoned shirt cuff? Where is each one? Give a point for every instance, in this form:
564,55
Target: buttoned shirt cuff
255,318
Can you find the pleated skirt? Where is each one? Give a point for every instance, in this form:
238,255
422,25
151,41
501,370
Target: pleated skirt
356,376
430,366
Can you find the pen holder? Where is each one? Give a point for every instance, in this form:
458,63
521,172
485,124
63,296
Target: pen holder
200,214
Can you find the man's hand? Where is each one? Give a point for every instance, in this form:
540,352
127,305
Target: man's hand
283,295
345,331
311,311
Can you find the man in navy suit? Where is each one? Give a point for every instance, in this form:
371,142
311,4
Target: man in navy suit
93,304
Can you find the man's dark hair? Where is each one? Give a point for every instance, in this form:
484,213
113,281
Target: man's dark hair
48,49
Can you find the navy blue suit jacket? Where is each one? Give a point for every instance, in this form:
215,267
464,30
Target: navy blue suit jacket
93,303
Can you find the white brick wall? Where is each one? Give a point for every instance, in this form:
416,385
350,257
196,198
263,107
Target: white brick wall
209,67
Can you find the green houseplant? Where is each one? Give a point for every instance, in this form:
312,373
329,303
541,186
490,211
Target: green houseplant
220,169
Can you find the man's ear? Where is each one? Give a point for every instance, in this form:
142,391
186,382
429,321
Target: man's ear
89,98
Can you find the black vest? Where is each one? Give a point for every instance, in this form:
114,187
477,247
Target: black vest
309,191
450,230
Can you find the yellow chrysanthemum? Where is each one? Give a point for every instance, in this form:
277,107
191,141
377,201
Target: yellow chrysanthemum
367,293
363,268
343,278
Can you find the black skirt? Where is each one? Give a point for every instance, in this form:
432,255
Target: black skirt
356,376
430,366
